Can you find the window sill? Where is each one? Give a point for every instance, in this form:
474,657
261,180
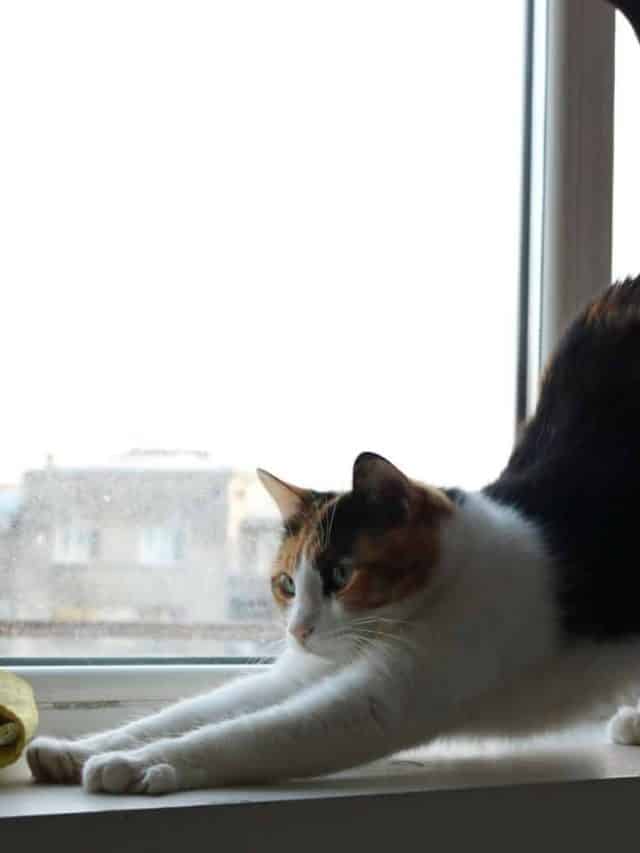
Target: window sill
459,794
454,793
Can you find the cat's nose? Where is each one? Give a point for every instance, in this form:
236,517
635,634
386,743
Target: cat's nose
301,632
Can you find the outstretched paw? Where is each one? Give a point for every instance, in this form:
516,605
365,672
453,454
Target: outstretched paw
54,760
128,773
624,726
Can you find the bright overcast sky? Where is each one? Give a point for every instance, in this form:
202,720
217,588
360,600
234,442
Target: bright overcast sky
626,242
283,232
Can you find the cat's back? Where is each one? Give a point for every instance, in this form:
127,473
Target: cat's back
590,391
575,471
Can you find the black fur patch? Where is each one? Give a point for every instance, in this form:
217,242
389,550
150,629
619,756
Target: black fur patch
576,469
349,517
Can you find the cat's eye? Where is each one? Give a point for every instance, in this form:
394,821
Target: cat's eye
342,573
285,584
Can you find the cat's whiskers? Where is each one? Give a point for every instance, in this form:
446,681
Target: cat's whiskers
377,619
271,650
381,653
331,514
393,638
324,530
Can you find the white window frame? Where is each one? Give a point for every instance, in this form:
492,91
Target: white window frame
79,699
570,190
567,244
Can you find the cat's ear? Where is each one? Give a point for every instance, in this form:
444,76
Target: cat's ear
382,485
375,477
290,499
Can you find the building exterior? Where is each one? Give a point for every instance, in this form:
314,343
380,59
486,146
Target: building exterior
158,537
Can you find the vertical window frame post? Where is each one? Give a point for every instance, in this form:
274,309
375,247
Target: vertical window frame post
570,202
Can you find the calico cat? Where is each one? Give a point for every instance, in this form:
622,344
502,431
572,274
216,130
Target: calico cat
415,611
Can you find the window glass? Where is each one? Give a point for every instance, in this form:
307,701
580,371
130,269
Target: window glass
161,544
76,542
626,170
239,233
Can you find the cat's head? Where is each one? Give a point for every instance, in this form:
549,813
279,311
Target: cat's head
347,560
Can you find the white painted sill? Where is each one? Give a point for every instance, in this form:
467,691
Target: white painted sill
517,795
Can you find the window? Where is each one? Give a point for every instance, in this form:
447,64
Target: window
161,545
75,543
268,234
626,173
236,291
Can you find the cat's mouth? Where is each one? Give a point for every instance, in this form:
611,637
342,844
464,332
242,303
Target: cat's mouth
313,646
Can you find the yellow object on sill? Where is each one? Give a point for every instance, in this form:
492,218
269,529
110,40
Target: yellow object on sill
18,716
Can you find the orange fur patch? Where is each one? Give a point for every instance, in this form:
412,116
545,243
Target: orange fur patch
308,540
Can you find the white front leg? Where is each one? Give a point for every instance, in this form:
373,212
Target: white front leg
357,717
56,760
